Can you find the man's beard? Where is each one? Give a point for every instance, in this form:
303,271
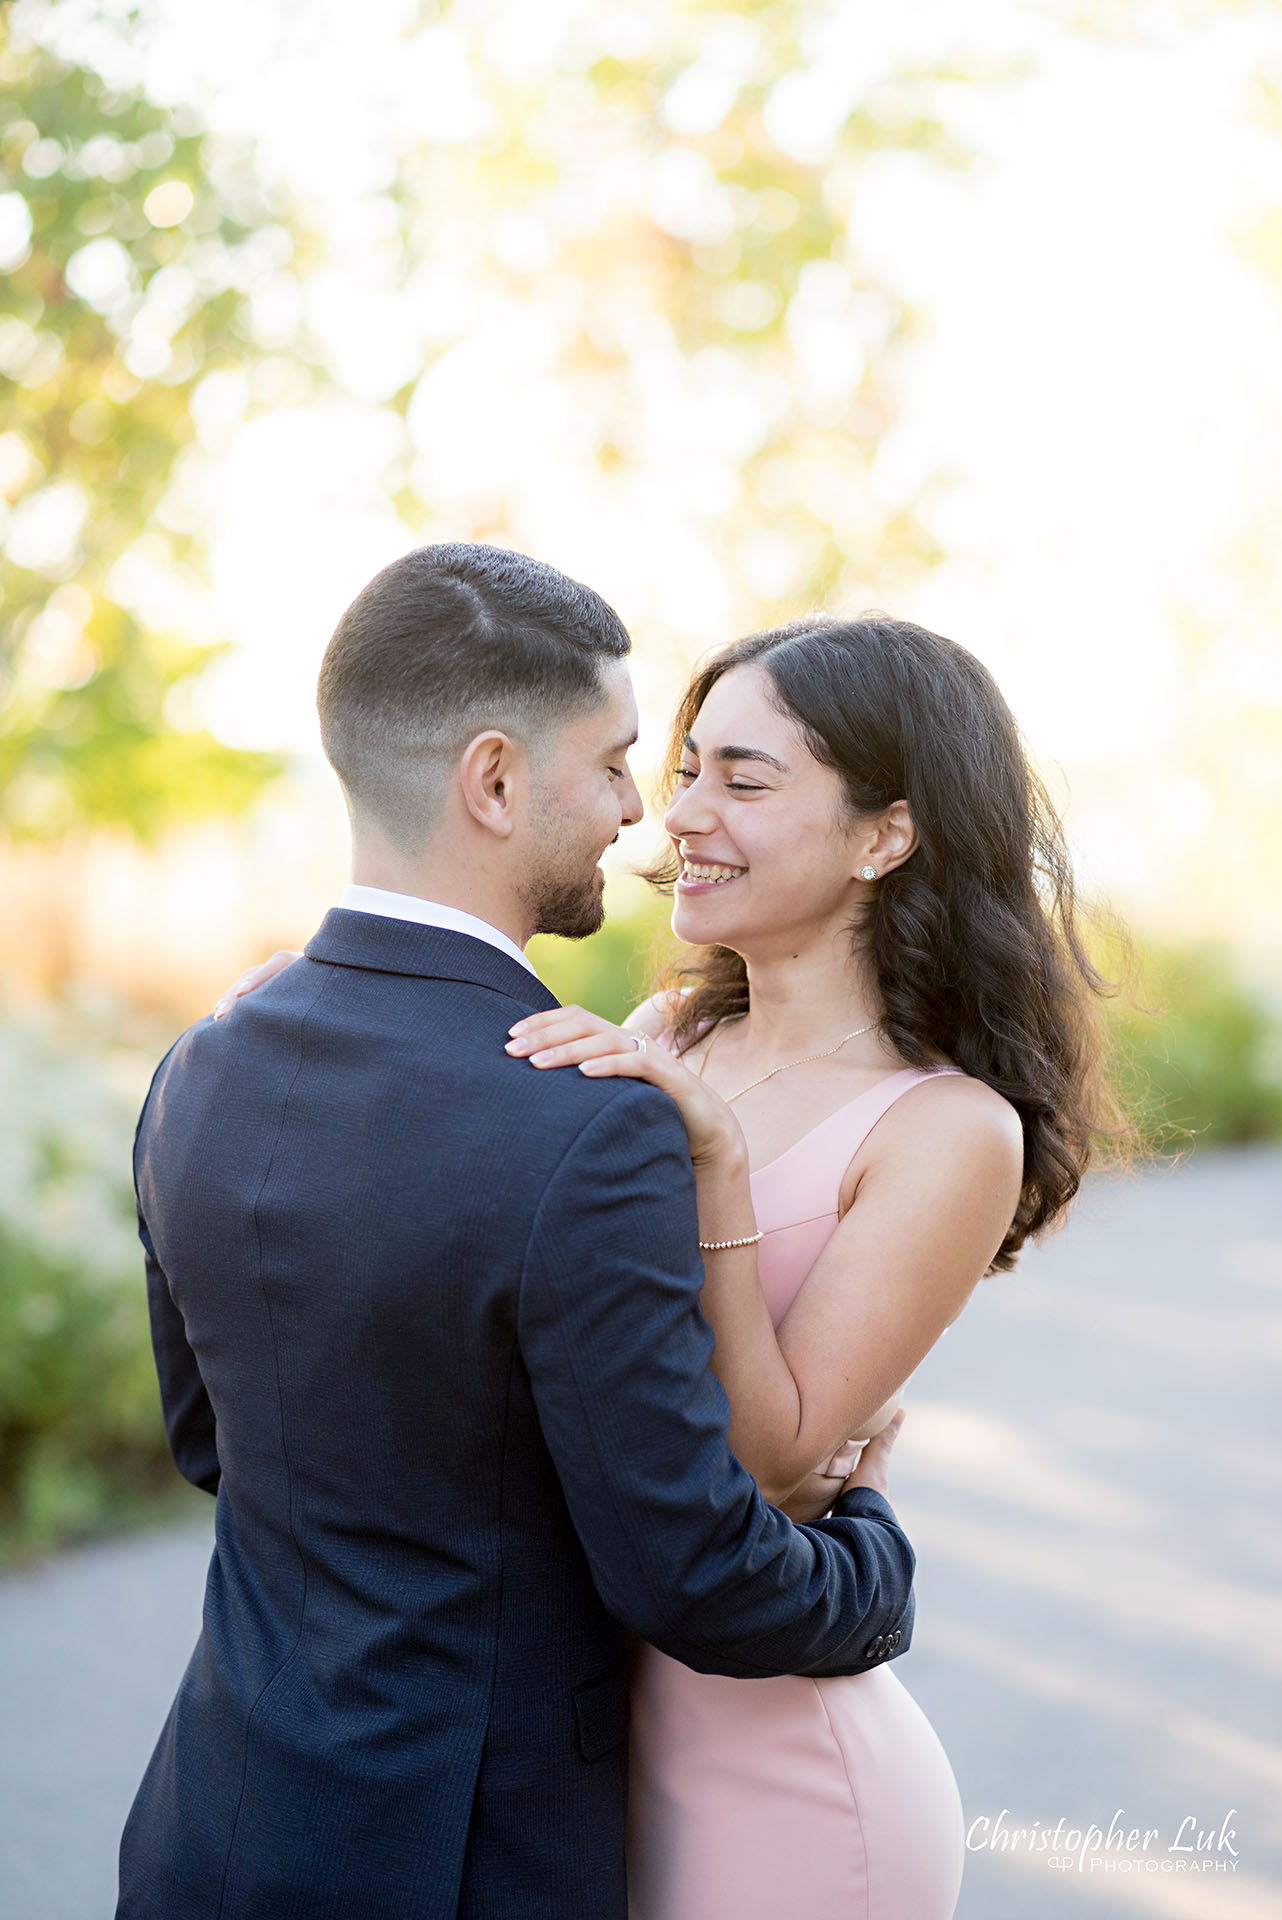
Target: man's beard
574,909
556,902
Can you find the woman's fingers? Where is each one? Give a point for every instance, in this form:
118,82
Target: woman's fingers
629,1066
586,1046
573,1037
536,1023
557,1028
236,991
569,1016
599,1049
254,977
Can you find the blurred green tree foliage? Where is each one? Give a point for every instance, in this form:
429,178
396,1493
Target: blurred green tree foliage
133,251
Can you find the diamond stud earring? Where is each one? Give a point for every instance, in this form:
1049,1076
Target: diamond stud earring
868,873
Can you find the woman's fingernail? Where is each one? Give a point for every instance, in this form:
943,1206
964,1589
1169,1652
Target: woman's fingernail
591,1066
541,1059
518,1028
220,1008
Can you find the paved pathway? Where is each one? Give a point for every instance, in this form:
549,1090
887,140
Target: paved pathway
1092,1477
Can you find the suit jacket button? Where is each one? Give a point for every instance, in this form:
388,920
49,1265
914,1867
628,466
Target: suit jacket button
873,1650
896,1637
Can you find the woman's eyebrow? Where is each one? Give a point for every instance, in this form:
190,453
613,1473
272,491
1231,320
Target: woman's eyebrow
724,754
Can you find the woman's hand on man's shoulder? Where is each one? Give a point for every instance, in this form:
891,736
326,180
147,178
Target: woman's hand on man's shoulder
254,977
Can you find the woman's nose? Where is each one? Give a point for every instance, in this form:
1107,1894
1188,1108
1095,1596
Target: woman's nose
687,812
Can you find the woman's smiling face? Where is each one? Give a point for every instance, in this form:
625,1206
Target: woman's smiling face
768,846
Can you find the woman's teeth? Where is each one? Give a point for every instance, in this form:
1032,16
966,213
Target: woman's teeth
714,876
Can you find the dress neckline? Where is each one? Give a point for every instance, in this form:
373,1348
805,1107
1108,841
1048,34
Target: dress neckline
876,1087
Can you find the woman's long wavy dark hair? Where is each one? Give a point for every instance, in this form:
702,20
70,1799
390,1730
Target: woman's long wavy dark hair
975,942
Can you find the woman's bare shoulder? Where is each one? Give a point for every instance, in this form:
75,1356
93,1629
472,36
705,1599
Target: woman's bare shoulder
951,1141
961,1114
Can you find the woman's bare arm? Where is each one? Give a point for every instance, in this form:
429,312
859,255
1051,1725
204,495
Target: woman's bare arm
937,1187
651,1018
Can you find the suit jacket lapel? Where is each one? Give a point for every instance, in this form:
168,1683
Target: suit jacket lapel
381,945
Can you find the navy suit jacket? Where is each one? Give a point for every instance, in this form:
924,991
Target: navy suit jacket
427,1321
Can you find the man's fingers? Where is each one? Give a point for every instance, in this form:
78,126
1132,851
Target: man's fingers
845,1460
885,1439
874,1462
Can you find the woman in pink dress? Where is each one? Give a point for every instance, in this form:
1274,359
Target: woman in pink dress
884,1057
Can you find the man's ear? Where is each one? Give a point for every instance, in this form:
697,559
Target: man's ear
891,840
491,772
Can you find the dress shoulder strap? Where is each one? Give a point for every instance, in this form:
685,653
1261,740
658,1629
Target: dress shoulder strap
808,1175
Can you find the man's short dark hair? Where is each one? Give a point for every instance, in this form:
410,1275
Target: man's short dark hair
444,643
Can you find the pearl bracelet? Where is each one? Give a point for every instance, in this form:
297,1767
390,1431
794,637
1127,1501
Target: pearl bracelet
719,1246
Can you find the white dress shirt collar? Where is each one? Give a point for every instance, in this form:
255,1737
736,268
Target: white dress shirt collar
428,913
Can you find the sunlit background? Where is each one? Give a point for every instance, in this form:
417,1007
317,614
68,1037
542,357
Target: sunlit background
969,313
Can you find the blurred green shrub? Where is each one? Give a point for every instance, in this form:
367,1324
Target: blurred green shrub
1198,1053
80,1433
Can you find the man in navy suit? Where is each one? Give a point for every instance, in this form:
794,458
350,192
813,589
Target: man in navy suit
427,1322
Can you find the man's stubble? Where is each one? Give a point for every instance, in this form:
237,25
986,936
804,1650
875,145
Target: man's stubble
556,896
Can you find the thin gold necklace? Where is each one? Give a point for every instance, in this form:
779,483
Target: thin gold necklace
805,1061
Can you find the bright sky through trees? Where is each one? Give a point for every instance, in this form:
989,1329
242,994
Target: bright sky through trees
731,309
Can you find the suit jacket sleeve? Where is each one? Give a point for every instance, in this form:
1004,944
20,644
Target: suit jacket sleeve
682,1546
189,1416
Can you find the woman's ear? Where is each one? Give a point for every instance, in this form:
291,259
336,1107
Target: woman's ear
489,769
892,840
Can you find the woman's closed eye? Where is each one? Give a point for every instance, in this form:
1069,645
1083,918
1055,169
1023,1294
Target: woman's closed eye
732,786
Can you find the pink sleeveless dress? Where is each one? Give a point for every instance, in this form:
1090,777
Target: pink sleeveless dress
763,1799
